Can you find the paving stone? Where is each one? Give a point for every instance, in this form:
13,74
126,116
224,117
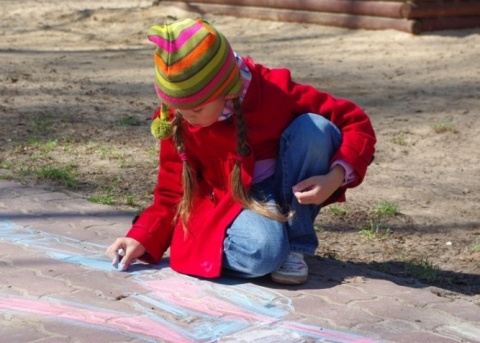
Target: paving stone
17,331
396,331
462,310
389,308
339,315
342,294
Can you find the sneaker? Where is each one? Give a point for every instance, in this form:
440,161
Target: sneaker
294,271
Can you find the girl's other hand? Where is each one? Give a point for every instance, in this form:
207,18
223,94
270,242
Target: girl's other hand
317,189
125,250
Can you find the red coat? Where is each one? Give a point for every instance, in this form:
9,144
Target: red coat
272,101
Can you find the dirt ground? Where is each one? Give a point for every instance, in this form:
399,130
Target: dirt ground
76,96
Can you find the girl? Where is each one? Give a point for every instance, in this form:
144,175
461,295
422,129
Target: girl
247,159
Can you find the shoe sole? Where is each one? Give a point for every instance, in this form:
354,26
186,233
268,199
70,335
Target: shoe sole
289,280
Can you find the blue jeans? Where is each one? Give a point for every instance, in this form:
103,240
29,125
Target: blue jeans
255,245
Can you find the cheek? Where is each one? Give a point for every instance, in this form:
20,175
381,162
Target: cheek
212,116
188,116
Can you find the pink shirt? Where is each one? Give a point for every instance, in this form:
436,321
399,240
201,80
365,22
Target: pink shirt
266,168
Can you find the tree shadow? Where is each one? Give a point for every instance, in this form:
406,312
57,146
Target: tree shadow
327,273
444,281
460,33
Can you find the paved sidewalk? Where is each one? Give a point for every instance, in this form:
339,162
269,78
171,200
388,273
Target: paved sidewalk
56,285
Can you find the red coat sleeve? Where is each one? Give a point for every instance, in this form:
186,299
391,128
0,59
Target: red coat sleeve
358,136
358,144
154,227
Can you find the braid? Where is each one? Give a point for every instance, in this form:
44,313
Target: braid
239,192
184,208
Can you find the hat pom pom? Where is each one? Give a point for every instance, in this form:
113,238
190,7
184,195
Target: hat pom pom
161,129
161,126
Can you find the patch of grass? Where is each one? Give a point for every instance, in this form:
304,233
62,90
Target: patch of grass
42,124
110,154
43,147
386,209
422,270
474,248
155,150
6,165
125,164
130,200
443,126
51,145
374,231
63,175
129,121
337,210
105,151
105,199
91,145
399,140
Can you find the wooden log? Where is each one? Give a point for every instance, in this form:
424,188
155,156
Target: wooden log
420,1
369,8
327,19
441,9
451,23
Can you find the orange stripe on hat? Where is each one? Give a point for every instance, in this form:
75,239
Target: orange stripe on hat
188,60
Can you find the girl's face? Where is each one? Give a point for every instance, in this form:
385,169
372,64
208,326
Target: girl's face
204,115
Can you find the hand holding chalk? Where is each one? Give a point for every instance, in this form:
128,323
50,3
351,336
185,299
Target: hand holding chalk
125,251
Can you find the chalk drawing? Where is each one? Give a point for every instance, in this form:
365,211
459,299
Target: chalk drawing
203,311
105,319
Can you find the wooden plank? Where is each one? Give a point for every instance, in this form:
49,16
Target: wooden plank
328,19
445,9
451,23
370,8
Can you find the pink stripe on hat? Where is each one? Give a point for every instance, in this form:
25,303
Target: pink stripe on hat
173,46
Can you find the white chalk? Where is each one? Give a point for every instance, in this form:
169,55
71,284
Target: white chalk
116,259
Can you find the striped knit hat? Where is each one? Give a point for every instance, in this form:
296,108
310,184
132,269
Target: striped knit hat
194,64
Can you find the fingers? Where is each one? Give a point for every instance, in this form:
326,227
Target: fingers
112,249
117,253
305,191
126,260
124,251
314,190
303,186
305,197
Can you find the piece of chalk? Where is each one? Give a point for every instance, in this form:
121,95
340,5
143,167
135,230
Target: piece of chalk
116,259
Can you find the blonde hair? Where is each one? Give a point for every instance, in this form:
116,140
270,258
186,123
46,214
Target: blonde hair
239,192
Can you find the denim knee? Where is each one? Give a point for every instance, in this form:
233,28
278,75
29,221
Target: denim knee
256,255
312,130
271,254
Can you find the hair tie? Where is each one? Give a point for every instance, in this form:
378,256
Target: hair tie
239,158
183,156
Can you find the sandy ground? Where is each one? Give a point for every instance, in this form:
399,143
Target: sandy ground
79,74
